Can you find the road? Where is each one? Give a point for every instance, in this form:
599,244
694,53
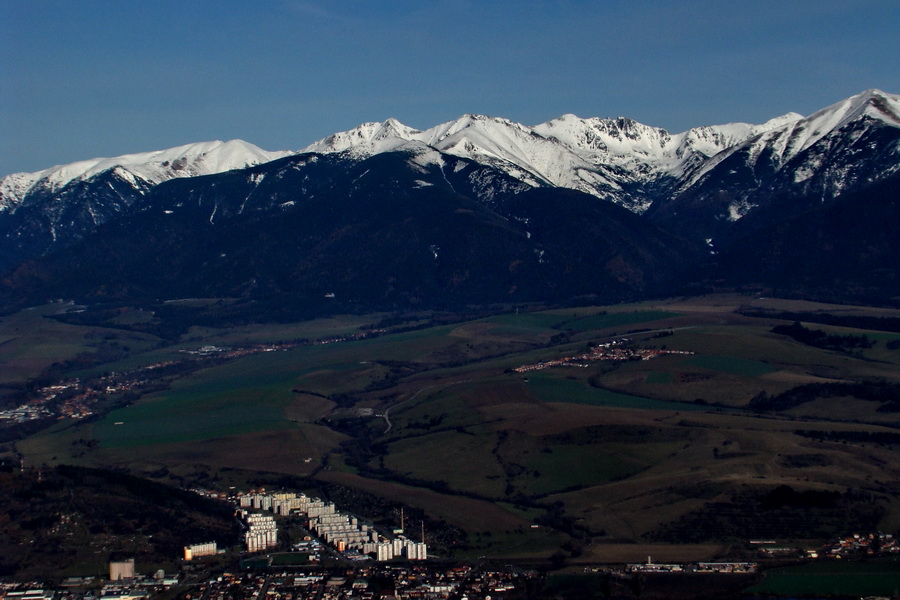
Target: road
387,416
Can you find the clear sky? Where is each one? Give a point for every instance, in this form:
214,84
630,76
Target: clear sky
87,78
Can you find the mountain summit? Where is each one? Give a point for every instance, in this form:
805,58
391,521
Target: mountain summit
55,207
619,160
190,160
788,169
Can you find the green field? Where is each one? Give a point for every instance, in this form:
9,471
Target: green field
292,558
550,388
657,377
733,365
461,460
617,319
525,321
31,341
833,577
217,402
578,320
561,467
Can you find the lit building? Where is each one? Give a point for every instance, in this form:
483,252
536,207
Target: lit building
262,532
198,550
401,547
121,570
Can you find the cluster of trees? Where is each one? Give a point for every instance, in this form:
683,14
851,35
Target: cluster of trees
854,321
885,392
821,339
780,513
72,515
872,437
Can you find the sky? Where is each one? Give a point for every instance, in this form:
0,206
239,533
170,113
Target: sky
87,78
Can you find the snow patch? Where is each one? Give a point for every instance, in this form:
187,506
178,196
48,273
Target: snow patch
802,174
737,210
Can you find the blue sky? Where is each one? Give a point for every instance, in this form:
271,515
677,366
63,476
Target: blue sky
81,79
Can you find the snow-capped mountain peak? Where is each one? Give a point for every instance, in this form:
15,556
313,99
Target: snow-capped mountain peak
615,159
366,139
840,148
791,136
873,104
598,156
616,137
189,160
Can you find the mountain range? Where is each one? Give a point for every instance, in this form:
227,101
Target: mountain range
476,210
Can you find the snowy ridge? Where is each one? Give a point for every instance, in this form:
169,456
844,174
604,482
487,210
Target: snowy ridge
190,160
783,143
597,156
873,104
850,144
626,143
617,159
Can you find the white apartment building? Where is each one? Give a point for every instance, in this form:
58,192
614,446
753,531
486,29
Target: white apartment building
197,550
262,532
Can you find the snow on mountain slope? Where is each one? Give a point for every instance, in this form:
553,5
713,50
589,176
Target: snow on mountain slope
784,171
493,141
608,158
871,104
710,140
190,160
781,144
619,160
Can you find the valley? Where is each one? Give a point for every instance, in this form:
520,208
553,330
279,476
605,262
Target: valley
677,456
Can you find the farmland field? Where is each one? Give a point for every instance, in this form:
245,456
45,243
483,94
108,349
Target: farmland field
835,578
555,389
733,365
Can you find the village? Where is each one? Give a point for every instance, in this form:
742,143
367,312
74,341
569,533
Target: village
614,350
80,398
852,546
334,583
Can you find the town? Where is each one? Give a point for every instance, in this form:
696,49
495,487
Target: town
334,555
332,574
339,556
344,533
